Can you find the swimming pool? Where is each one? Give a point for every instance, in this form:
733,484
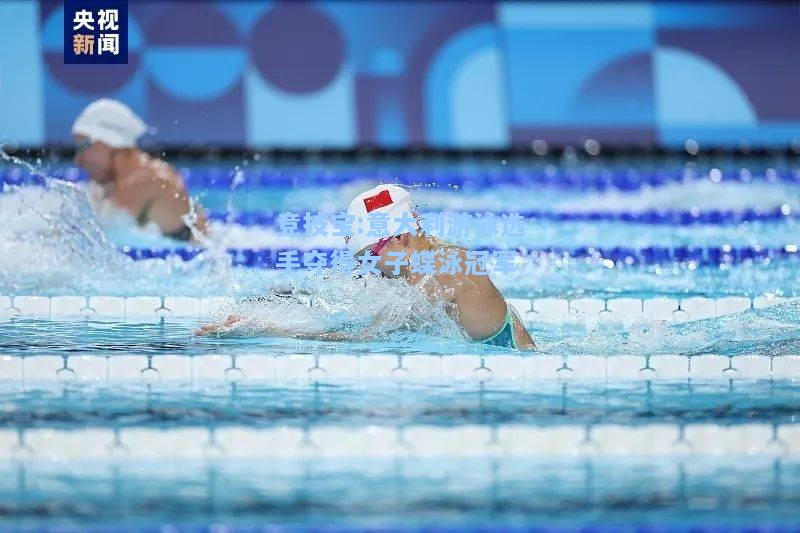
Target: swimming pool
662,295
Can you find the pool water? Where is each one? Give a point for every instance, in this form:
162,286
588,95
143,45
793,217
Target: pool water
663,394
415,493
130,403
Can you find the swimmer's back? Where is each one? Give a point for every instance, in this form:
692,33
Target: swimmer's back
156,193
480,308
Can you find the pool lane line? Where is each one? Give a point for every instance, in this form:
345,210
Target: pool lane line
411,441
650,217
547,176
615,312
268,258
504,368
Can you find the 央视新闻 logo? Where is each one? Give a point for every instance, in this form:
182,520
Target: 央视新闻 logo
95,31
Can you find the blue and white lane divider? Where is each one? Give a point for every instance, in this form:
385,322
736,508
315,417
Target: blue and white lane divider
540,176
517,371
650,255
619,312
218,443
651,217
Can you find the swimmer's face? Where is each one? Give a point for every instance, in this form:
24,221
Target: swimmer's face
399,243
95,158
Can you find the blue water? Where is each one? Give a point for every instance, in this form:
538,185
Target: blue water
48,248
406,494
388,403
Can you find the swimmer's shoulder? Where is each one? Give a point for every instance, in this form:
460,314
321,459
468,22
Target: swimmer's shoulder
153,180
132,190
163,171
141,177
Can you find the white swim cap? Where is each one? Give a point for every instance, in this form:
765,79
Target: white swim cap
391,200
110,122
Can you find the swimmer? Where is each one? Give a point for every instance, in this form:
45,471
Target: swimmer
150,190
472,300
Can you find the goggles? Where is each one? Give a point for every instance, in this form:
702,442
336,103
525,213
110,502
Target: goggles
376,248
83,145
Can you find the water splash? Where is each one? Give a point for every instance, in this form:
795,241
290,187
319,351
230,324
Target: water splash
307,303
55,224
769,332
51,242
49,233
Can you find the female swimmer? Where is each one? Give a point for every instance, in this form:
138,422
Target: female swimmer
471,299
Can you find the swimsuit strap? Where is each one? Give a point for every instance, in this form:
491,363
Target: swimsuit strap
507,326
144,215
182,234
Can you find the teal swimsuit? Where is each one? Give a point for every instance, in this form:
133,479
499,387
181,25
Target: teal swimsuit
505,336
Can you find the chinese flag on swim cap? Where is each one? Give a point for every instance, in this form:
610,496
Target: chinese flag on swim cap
382,199
391,201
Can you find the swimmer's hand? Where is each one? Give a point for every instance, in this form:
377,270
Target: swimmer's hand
218,329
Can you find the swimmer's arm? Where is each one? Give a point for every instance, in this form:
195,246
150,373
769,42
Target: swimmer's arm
133,194
525,342
134,189
222,329
333,336
171,208
164,201
370,332
218,329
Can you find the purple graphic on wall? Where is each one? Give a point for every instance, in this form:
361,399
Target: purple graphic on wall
297,48
442,73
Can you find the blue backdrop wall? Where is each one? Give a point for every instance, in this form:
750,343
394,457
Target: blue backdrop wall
449,74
